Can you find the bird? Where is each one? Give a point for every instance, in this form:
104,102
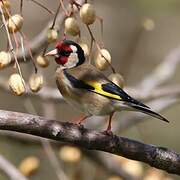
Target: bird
85,87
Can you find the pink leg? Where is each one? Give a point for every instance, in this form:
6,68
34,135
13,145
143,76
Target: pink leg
83,118
108,130
80,119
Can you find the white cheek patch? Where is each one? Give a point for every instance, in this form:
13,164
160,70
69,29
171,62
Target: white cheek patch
74,48
72,60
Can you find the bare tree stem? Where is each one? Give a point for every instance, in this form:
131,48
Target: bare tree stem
159,157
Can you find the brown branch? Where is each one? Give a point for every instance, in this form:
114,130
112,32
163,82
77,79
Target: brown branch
158,157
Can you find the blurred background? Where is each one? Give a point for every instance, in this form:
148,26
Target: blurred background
135,52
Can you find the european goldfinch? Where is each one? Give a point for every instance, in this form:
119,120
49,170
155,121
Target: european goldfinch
88,89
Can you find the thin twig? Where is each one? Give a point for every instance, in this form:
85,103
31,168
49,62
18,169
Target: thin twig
102,29
10,170
22,47
29,50
44,7
1,26
21,7
63,7
162,73
99,49
55,17
10,43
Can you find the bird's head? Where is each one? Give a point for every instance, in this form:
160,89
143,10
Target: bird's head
67,54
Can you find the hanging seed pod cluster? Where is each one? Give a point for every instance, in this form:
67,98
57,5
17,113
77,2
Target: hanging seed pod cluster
13,25
5,57
102,60
88,16
14,22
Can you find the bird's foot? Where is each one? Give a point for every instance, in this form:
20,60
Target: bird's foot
81,126
78,121
108,132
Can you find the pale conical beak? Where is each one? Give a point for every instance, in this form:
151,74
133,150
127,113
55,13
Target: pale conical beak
54,52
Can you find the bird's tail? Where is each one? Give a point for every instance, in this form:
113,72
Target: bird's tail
140,107
147,110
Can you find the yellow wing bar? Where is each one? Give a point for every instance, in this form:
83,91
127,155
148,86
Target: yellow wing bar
98,89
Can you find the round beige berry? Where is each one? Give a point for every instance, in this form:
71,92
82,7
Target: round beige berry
148,24
15,23
16,84
88,14
85,48
70,154
29,165
35,82
154,174
52,35
42,61
133,168
71,26
103,59
117,79
5,59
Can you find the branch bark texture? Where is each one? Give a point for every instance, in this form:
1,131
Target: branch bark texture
158,157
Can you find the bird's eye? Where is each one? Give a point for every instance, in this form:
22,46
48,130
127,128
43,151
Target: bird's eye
65,53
